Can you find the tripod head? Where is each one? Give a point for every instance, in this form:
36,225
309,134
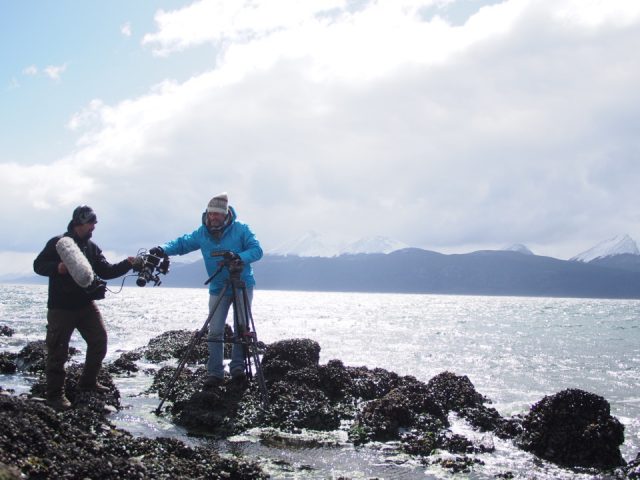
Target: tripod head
232,262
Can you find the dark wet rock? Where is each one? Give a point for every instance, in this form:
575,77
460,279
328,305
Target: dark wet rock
370,384
509,428
9,473
405,408
630,471
32,358
454,392
379,405
462,464
298,406
287,355
6,331
487,419
454,443
8,362
457,393
211,410
174,344
125,363
505,475
80,443
78,398
177,389
335,380
573,428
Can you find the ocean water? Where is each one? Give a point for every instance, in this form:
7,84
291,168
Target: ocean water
515,350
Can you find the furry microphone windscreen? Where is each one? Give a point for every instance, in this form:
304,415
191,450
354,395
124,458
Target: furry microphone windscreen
77,264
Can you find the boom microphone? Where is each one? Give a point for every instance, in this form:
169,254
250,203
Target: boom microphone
77,264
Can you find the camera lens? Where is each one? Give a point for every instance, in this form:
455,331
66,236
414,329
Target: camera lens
141,282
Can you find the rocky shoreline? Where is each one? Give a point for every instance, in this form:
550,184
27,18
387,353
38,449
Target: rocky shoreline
573,428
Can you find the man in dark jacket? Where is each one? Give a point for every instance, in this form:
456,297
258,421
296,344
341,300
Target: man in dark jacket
71,307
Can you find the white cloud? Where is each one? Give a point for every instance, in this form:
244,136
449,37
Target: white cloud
54,72
211,21
13,84
515,126
31,70
125,29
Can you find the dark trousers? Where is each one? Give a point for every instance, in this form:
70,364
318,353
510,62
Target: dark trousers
60,327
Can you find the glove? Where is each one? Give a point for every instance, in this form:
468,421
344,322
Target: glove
231,256
157,251
97,290
137,263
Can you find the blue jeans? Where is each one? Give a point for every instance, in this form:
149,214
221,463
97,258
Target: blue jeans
215,338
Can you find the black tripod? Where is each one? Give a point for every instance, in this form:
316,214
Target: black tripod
244,327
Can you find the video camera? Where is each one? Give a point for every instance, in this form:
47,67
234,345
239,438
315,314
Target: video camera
149,267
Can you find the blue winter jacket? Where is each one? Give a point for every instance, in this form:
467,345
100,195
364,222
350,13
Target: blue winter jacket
236,237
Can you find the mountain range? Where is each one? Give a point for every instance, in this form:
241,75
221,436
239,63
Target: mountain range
610,269
314,244
612,272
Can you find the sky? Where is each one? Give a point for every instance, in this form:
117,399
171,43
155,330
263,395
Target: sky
450,125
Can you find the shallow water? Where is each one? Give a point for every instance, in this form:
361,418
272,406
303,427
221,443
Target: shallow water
515,351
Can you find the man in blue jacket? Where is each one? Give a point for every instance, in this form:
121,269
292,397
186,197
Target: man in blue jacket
220,231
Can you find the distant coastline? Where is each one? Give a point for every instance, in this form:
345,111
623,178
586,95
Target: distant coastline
413,270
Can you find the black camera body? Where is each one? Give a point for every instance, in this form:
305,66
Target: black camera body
149,268
230,260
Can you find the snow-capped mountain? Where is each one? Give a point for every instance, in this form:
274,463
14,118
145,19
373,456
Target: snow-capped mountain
618,245
310,244
314,244
518,247
377,244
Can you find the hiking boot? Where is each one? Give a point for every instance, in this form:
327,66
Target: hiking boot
212,381
97,387
238,375
59,403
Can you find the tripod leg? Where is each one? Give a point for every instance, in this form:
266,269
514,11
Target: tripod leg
253,348
249,340
185,356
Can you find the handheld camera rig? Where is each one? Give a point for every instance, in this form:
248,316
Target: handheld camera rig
149,267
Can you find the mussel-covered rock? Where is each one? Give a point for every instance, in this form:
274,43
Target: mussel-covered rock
32,358
406,408
454,392
287,355
125,363
573,428
368,384
79,443
631,471
8,362
295,406
76,395
174,344
6,331
211,410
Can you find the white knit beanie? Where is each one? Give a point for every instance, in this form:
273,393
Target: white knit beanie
219,204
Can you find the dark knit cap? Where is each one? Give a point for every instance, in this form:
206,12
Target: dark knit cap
83,214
